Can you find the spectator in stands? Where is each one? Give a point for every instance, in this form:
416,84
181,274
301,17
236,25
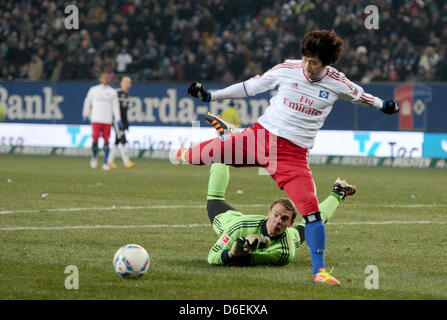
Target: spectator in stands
429,60
187,32
68,70
35,68
123,60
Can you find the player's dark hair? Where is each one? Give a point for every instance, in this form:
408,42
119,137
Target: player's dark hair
324,44
287,204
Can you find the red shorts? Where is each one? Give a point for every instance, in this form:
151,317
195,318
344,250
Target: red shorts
286,162
101,129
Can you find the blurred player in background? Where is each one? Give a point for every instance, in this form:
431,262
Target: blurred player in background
121,141
230,114
259,239
101,106
307,90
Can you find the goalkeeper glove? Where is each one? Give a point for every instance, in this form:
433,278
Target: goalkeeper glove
198,91
237,249
120,125
245,246
255,241
389,107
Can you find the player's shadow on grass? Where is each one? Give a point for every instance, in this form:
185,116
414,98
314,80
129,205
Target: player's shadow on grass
203,264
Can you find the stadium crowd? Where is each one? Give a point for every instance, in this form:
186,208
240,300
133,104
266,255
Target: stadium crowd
217,40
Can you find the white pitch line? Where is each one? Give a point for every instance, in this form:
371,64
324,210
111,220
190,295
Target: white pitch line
255,205
153,226
197,225
386,222
373,205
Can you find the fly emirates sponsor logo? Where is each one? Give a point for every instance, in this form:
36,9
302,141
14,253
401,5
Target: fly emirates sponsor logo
303,105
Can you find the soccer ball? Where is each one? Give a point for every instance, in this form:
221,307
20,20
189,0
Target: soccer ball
131,261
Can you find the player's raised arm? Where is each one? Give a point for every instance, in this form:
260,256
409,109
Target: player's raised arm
355,94
253,86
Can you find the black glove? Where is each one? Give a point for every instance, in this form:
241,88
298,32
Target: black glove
389,107
198,91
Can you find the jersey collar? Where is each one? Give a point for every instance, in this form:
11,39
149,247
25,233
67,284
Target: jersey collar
312,80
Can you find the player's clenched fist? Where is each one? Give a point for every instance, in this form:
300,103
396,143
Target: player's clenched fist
390,107
198,91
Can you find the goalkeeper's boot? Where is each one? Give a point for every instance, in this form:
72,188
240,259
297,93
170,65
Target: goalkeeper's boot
105,166
325,277
223,128
93,162
129,165
343,188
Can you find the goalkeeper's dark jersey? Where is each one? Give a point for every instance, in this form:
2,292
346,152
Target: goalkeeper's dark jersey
232,225
123,98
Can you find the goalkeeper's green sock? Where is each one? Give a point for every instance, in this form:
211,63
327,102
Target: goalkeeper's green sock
327,208
218,182
329,205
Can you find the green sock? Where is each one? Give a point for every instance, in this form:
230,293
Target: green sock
219,177
327,208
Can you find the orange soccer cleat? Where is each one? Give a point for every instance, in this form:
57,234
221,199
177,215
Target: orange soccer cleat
325,277
129,165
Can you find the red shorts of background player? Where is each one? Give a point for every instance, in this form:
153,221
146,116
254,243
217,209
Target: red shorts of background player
286,162
101,129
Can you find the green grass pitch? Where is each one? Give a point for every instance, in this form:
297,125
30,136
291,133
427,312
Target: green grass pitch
396,222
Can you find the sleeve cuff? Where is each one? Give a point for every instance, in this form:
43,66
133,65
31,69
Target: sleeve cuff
240,261
225,258
378,103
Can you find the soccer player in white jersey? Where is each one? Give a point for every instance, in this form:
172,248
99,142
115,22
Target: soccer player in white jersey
283,135
101,106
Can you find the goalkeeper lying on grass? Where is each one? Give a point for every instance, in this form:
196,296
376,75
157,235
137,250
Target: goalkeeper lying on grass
258,239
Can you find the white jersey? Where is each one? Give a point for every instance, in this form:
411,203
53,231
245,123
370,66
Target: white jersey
101,104
301,105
